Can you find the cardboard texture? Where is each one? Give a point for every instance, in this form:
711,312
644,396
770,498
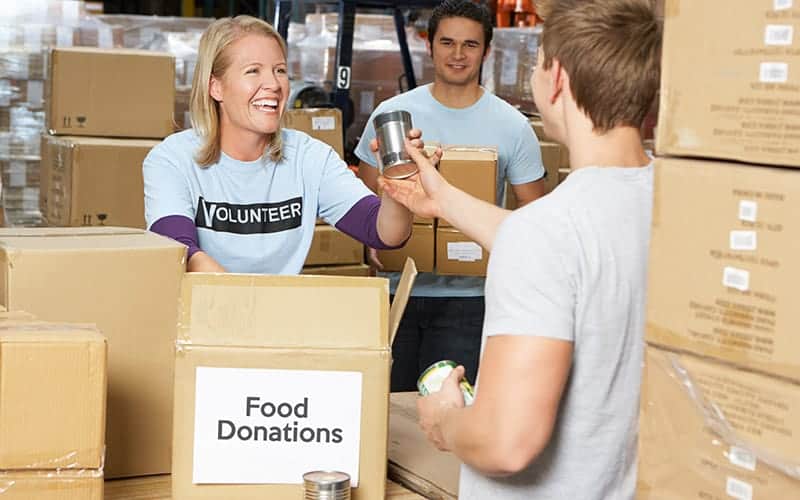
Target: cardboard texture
419,247
331,246
324,124
723,279
458,255
471,169
126,281
736,95
351,270
222,325
93,181
51,485
110,93
49,369
413,460
708,430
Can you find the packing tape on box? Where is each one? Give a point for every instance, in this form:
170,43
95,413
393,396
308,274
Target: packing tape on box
65,463
10,479
714,417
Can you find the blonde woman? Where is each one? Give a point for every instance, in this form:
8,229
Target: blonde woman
239,191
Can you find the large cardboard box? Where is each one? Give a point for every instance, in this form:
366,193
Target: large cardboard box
93,181
458,255
419,247
51,485
331,246
110,93
413,461
324,124
736,95
52,396
708,430
265,391
471,169
346,270
551,159
127,282
723,267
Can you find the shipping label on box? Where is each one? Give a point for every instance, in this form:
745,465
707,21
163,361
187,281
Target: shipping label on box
724,432
257,407
736,95
324,124
723,265
110,93
458,255
471,169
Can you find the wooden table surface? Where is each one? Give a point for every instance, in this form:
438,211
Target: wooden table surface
158,488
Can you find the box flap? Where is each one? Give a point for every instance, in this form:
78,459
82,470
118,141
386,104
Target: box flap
469,153
401,296
249,310
26,331
82,239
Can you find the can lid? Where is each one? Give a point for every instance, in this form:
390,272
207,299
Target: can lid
445,363
392,116
326,481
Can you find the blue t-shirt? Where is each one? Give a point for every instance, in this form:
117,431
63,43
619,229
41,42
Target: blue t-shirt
489,122
256,216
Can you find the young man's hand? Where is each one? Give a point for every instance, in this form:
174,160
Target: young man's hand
421,192
433,408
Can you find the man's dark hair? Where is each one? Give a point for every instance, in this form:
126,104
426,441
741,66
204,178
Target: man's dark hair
466,9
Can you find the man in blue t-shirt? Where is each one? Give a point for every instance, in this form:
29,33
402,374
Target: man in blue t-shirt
444,317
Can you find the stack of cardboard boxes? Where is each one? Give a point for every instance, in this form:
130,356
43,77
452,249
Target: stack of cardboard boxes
105,110
436,245
52,409
720,414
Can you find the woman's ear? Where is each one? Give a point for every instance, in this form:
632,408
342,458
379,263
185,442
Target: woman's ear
215,88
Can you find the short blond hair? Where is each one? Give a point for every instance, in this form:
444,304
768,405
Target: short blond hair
611,50
214,60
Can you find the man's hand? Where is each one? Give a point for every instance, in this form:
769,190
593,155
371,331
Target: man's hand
433,408
421,192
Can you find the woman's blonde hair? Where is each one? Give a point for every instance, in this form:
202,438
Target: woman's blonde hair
214,60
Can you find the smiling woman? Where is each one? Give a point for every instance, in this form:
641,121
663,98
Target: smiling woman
241,192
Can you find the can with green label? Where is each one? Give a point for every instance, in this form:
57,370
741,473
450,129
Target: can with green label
434,376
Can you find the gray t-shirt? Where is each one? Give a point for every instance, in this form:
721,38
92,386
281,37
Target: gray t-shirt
573,266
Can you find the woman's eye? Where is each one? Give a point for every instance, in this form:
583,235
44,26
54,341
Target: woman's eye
281,71
252,70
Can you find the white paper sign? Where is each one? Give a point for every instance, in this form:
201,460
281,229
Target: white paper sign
258,426
736,278
743,240
778,34
464,251
773,72
323,123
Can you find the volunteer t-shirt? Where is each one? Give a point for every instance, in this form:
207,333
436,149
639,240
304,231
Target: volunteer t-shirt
489,122
256,216
573,266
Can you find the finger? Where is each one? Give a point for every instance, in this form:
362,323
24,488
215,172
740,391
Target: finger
436,156
418,157
455,376
418,143
373,258
373,145
414,133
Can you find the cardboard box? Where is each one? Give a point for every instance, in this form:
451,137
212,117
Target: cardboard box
419,247
51,485
723,269
736,95
324,124
331,246
471,169
110,93
710,431
94,181
47,370
126,281
458,255
351,270
320,368
413,460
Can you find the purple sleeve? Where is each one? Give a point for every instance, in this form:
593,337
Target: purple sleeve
361,223
180,228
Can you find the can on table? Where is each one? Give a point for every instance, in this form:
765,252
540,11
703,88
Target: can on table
326,485
434,376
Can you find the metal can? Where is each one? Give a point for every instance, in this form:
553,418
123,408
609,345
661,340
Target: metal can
391,131
434,376
326,485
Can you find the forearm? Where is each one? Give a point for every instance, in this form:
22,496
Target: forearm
474,440
394,222
201,262
477,219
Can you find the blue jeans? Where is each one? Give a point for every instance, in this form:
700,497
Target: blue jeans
433,329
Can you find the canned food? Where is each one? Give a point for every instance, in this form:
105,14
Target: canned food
326,485
434,376
391,131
